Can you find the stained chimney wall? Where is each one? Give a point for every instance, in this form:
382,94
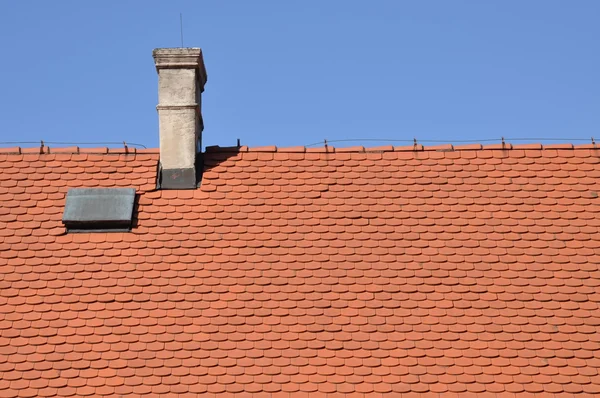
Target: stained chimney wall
181,79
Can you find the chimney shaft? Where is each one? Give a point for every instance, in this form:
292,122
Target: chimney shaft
181,79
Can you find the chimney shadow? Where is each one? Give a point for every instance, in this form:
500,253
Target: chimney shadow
212,157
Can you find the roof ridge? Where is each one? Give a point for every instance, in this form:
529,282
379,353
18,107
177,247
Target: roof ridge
298,149
46,150
391,148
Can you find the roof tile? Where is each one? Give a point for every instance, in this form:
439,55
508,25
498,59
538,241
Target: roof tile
321,271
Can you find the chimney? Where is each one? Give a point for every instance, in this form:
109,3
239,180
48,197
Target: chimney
181,79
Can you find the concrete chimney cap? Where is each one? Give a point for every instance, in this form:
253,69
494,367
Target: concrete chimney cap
180,58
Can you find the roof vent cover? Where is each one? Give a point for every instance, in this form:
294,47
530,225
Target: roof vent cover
99,209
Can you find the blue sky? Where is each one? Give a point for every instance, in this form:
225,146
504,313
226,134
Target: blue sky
294,73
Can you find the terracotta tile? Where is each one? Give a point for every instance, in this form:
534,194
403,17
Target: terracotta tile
445,147
351,149
309,280
263,149
468,147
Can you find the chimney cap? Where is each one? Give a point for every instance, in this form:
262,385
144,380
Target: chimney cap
180,58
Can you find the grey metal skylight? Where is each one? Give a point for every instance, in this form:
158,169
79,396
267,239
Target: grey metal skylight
99,209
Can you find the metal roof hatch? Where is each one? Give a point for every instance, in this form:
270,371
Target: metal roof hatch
99,209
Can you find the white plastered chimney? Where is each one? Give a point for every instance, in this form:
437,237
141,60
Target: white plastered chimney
181,79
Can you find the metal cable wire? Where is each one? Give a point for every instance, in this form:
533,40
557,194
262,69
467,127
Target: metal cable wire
324,142
71,143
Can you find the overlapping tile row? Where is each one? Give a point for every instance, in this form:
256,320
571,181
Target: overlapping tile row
295,273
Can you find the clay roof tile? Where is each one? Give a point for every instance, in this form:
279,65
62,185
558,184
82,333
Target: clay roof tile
294,271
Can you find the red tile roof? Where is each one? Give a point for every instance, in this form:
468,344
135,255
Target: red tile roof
447,271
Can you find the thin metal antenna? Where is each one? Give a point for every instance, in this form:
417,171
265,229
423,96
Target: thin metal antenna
181,27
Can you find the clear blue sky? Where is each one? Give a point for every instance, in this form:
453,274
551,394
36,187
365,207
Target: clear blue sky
296,72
